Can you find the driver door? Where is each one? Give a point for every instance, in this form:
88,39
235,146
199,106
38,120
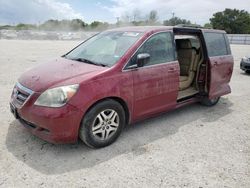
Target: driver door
155,85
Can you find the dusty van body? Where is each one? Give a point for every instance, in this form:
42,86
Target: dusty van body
121,76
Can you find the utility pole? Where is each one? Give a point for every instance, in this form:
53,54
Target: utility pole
173,18
117,21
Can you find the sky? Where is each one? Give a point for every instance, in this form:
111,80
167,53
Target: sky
38,11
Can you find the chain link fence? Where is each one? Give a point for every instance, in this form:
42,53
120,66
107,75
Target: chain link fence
42,35
239,39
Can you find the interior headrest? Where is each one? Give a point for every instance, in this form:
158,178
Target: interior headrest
183,44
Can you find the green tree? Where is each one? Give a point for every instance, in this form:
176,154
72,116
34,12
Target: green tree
208,25
50,25
97,25
232,21
77,24
65,25
22,26
176,21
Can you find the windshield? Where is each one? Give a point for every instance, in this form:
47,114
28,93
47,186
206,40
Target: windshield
105,48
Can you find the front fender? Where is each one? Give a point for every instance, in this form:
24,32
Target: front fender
118,85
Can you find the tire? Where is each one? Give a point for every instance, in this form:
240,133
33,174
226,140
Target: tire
247,71
210,102
102,124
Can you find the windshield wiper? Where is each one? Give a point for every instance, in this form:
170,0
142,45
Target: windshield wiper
89,62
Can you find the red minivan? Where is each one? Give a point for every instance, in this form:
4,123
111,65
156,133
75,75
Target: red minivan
121,76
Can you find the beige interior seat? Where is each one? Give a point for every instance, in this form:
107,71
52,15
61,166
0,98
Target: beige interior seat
188,58
183,78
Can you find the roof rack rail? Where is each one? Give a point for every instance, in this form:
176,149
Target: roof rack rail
191,25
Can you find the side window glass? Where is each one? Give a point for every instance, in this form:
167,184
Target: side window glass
159,47
228,44
216,44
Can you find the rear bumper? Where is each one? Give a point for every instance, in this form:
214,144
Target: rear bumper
244,65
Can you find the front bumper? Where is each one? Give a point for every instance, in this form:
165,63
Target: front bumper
245,65
55,125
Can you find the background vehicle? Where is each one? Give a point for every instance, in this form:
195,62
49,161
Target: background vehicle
119,77
245,64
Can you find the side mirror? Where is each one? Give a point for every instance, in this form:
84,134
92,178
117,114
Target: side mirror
142,59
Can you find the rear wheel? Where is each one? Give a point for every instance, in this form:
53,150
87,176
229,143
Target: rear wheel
210,102
102,124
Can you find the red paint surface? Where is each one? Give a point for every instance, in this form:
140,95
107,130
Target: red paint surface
145,91
221,69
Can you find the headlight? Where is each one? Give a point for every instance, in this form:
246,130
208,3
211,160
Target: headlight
56,97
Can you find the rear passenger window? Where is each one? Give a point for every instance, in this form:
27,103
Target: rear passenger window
216,44
159,47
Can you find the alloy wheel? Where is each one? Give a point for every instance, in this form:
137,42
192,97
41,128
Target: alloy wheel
105,124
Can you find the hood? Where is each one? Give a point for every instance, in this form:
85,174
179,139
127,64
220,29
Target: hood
57,72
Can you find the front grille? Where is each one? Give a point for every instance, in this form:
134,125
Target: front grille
21,94
21,97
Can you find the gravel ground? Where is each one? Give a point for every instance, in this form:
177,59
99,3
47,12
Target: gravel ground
194,146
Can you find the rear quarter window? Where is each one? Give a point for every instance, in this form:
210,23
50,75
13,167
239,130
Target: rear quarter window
217,44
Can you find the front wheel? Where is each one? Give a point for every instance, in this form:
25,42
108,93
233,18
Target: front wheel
102,124
210,102
247,71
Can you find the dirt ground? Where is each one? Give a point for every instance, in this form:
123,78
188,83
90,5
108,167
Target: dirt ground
194,146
